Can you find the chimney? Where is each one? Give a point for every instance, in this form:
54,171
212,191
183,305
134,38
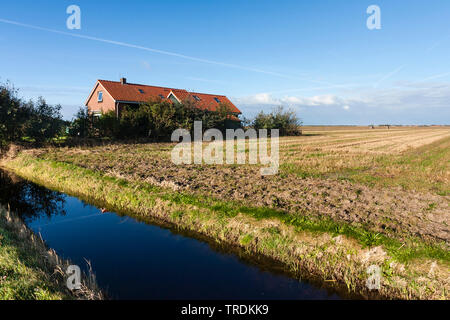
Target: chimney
123,80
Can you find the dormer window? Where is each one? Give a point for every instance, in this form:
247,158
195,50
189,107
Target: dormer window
100,96
173,98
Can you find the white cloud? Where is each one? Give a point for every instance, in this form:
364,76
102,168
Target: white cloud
402,96
268,99
263,98
322,100
403,103
257,99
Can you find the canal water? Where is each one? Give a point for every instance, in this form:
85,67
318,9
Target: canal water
137,260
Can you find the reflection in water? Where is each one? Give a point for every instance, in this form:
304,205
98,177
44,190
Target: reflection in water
137,260
27,199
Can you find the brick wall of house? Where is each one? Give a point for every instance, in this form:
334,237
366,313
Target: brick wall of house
106,105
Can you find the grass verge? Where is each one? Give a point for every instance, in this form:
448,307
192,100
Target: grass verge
30,271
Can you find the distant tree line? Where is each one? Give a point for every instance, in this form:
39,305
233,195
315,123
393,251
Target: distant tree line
157,120
38,122
20,121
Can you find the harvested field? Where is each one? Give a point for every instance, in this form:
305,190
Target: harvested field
392,181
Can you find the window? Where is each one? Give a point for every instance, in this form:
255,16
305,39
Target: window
196,98
100,96
217,100
97,113
141,91
172,97
162,97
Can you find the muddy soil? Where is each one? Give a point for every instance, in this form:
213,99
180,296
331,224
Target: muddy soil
391,211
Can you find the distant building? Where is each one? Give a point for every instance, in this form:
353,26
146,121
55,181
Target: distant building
114,95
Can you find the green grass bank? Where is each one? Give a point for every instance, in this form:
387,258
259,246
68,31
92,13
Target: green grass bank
31,271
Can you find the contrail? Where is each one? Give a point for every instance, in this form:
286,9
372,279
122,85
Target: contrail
387,76
437,76
168,53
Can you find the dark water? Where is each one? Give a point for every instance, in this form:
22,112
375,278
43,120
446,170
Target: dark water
136,260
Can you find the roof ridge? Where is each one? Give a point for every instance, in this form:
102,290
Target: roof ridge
147,85
209,94
144,85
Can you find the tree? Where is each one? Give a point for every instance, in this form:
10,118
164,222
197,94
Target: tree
220,117
13,115
45,121
38,121
263,121
81,125
162,118
286,121
107,125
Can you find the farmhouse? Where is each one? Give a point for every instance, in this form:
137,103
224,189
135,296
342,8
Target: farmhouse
114,95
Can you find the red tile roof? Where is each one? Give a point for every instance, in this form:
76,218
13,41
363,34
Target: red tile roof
130,92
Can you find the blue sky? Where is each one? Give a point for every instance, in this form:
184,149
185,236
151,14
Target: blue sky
316,57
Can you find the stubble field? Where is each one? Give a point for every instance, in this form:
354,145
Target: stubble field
393,181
